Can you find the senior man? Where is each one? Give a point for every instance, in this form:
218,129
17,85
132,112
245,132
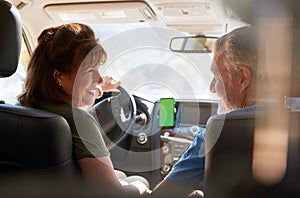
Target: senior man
236,73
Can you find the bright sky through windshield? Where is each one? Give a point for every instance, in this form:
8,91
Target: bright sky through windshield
139,55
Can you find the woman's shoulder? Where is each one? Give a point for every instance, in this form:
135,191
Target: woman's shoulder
65,110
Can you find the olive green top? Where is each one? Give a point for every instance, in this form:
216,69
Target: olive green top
86,133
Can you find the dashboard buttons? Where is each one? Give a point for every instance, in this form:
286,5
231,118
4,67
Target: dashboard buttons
165,150
195,129
142,138
165,169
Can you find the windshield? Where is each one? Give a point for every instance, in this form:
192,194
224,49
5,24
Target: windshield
139,55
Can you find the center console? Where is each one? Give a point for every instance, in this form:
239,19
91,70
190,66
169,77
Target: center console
190,118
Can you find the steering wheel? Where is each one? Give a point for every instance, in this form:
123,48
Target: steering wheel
116,115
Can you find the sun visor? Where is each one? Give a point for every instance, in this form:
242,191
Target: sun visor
101,12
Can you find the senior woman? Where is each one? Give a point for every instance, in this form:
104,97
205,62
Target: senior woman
62,77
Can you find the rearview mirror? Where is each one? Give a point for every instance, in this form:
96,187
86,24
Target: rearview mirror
195,44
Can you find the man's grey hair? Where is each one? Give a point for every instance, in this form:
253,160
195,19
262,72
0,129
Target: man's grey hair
240,48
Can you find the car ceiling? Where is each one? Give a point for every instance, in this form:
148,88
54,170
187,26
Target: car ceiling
192,16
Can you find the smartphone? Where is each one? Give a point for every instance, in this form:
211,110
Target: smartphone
166,112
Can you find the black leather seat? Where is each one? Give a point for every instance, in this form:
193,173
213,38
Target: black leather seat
228,165
32,142
10,38
229,142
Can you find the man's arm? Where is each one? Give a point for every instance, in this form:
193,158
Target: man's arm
187,174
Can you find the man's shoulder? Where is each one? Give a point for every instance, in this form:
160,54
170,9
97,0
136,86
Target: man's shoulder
258,109
247,111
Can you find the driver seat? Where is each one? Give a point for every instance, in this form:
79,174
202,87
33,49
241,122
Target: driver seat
33,142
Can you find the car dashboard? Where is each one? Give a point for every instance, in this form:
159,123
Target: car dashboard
151,150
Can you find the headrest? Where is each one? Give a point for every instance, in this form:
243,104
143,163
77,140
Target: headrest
10,38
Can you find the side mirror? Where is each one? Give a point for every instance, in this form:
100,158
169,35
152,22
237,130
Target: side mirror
195,44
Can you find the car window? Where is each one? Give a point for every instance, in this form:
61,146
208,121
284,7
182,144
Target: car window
12,86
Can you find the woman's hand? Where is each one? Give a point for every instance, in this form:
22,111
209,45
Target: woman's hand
109,83
142,188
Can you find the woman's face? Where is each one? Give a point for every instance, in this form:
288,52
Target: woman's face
80,85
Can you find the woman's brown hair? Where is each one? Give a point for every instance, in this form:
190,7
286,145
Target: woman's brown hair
61,48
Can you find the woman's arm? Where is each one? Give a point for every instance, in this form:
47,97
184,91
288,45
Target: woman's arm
100,170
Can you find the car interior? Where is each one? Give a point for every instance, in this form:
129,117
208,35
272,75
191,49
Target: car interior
152,118
32,141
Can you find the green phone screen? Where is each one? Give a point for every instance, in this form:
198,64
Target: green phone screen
166,112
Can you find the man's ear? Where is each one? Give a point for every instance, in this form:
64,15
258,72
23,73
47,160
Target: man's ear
245,78
58,77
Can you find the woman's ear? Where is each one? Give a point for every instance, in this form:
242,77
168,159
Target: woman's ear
58,77
245,78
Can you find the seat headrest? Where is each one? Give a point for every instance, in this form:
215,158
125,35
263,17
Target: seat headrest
10,38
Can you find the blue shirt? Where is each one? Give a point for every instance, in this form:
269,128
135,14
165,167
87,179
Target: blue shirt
189,170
